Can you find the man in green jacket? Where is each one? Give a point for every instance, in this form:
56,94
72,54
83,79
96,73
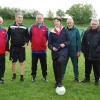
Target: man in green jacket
74,48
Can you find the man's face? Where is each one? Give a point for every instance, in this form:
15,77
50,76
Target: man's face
56,22
1,21
94,24
39,19
70,24
19,19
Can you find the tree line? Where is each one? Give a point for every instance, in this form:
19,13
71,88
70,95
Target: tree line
81,13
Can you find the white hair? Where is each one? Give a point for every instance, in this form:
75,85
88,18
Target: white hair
39,15
1,19
70,19
19,14
94,20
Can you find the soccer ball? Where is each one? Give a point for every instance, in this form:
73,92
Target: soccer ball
60,90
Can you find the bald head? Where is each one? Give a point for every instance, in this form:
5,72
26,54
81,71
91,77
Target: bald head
70,23
94,23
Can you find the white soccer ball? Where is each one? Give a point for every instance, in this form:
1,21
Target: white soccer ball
60,90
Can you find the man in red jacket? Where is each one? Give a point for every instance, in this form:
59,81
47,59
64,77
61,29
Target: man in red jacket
3,38
38,37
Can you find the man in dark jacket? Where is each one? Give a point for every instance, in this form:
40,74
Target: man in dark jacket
74,48
18,37
58,42
91,51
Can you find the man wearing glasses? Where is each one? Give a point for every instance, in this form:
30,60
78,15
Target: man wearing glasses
91,51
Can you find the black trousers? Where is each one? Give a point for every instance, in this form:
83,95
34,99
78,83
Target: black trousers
43,61
57,67
96,68
2,65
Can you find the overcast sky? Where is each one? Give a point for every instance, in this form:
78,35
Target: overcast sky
44,5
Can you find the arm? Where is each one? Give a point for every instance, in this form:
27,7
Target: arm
78,39
8,38
30,34
83,43
68,39
67,42
26,36
50,42
47,33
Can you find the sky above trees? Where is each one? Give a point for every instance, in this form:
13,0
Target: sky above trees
45,5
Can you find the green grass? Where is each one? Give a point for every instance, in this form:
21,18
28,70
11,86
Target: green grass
16,90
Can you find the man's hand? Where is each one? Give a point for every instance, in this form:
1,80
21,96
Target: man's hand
62,45
6,53
25,45
55,49
78,54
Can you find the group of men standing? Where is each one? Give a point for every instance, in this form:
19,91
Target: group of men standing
64,43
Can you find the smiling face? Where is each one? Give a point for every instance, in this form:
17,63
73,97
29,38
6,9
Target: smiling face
56,22
94,24
19,19
39,19
70,23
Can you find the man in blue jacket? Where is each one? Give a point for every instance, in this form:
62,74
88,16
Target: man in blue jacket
74,48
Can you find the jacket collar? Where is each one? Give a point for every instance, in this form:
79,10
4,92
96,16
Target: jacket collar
71,28
56,31
16,24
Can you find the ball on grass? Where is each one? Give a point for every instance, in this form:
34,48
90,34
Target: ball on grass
60,90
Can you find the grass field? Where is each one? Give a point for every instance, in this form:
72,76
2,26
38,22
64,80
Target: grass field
16,90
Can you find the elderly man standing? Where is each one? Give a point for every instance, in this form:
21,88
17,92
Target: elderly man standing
74,48
38,37
18,37
91,51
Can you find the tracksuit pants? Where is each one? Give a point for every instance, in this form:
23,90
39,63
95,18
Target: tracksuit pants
43,61
96,68
2,65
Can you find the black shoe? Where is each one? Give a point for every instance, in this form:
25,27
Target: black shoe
58,85
14,77
76,80
85,81
45,79
1,81
21,78
33,78
97,83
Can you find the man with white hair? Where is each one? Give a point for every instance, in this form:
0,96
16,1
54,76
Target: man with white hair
38,37
74,48
91,51
18,37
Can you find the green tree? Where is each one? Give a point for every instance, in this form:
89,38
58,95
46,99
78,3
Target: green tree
60,13
50,14
81,13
